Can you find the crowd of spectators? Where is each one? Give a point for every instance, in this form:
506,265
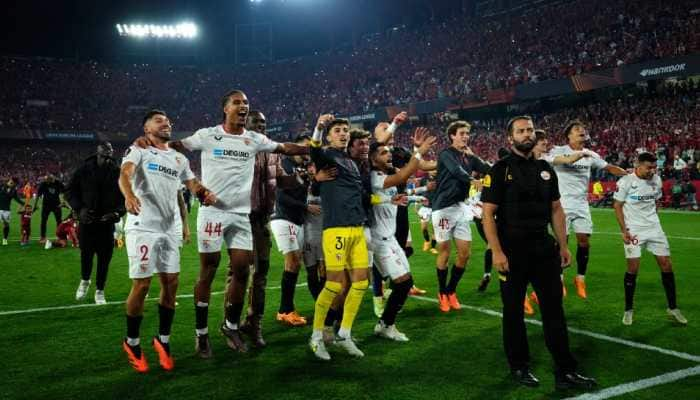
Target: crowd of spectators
457,58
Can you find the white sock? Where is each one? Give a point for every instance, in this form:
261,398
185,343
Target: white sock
487,274
82,282
561,276
581,277
202,304
317,335
231,325
203,331
344,333
133,342
164,338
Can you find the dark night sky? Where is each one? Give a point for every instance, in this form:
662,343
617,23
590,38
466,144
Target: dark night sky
87,28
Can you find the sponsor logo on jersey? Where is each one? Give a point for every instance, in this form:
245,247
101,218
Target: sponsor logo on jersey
576,166
162,169
231,154
645,197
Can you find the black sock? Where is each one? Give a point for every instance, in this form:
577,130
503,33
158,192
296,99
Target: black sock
396,300
376,281
312,281
133,326
442,280
5,231
670,287
433,243
289,282
233,313
331,317
426,235
581,259
630,284
454,278
201,316
166,319
488,261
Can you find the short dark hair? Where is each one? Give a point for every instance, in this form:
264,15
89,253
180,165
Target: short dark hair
151,113
511,122
356,134
569,126
228,95
454,127
301,137
540,135
374,147
252,112
337,121
646,157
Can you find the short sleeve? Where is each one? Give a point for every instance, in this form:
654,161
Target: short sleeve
194,142
621,190
494,184
377,181
186,173
266,144
597,162
132,155
554,194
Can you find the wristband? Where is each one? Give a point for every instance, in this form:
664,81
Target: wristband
418,156
392,128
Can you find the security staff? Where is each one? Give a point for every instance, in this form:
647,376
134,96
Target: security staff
93,193
522,195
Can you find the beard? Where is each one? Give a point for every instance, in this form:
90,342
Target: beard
525,146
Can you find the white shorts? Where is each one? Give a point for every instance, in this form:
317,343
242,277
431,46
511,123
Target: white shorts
5,216
390,257
152,252
578,216
370,250
215,227
452,222
424,213
653,240
313,246
288,236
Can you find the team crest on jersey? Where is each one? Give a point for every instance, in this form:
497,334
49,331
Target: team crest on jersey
487,180
177,160
545,175
247,142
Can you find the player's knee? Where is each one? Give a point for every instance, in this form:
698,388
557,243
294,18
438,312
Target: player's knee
241,272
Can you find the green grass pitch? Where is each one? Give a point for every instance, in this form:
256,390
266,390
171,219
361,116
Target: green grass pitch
76,352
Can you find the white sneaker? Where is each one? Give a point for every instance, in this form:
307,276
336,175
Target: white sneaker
82,290
628,317
676,314
48,245
389,332
348,345
319,349
378,306
4,242
100,297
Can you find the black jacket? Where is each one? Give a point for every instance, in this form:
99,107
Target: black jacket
96,188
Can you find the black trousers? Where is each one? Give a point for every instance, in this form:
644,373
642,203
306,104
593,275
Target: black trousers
97,239
45,212
261,263
534,259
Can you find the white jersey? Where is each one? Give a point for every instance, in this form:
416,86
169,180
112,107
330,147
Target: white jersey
314,223
385,212
156,181
227,164
574,178
475,205
640,197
